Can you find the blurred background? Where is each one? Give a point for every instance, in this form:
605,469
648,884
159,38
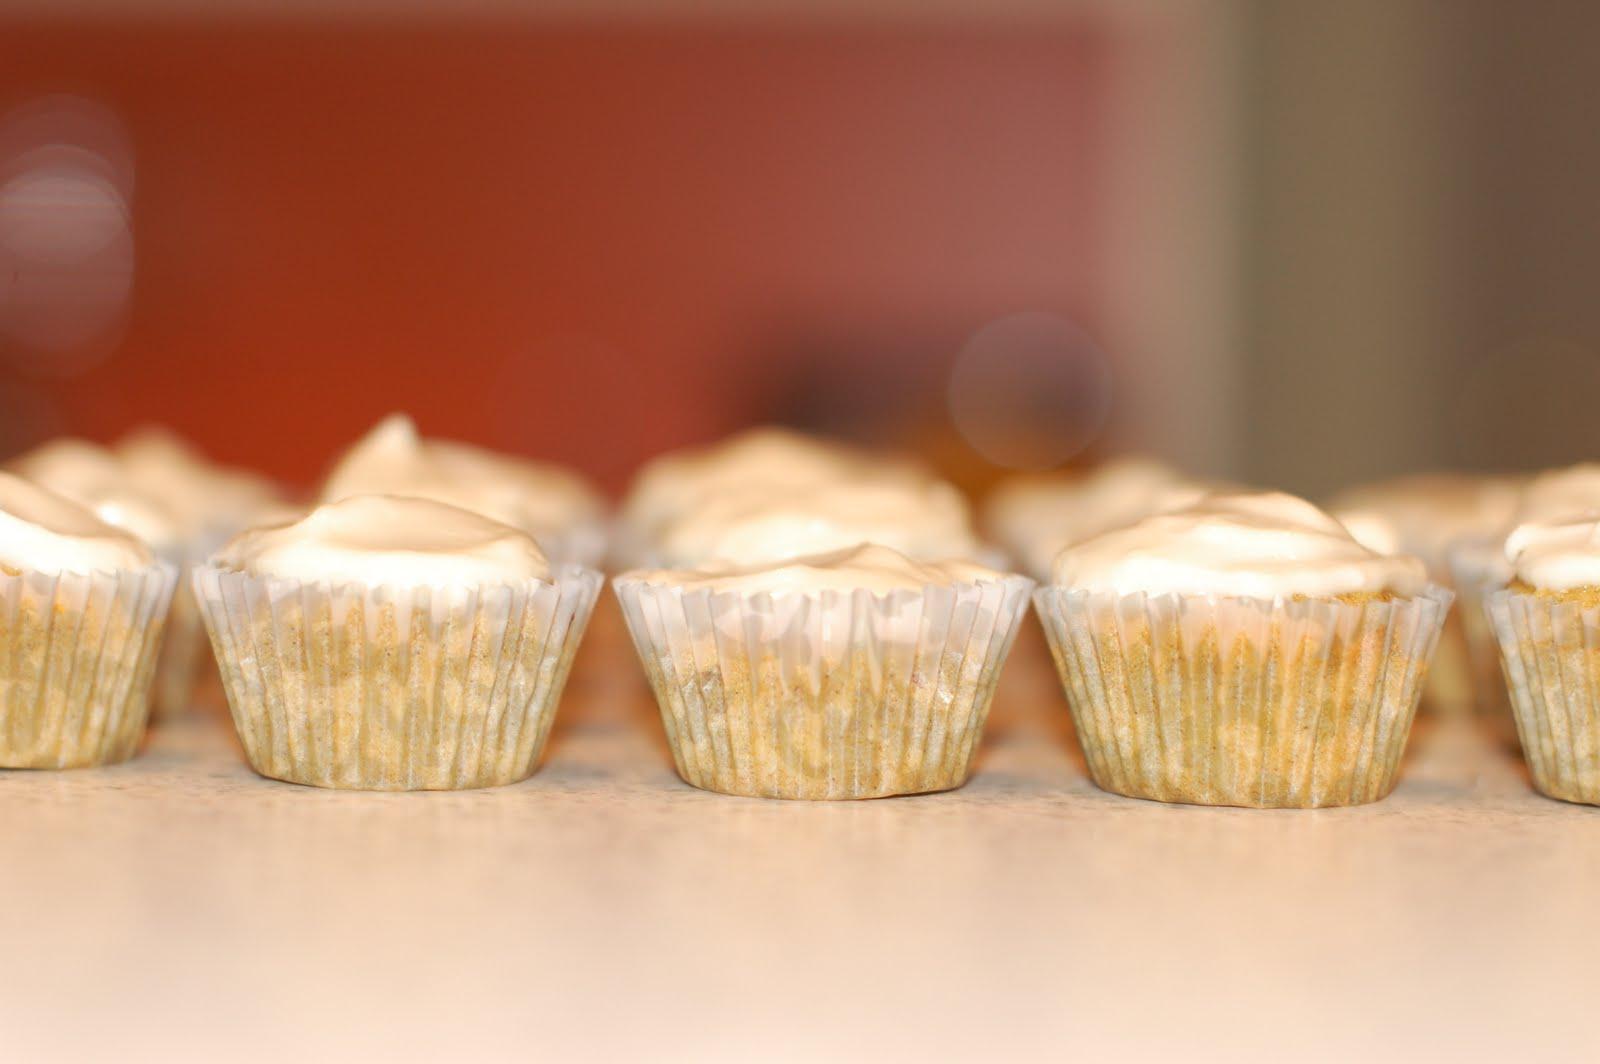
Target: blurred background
1291,243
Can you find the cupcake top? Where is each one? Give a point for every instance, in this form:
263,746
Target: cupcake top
1557,553
764,459
924,519
1254,545
1556,492
388,540
201,494
1426,513
393,459
1035,516
41,531
867,567
93,477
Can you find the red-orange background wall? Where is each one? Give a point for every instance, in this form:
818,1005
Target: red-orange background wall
586,242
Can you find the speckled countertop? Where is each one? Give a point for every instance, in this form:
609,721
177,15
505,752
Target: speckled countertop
180,907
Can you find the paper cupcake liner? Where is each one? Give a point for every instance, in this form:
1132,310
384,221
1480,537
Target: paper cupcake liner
1232,701
77,655
1550,650
1477,567
378,688
825,695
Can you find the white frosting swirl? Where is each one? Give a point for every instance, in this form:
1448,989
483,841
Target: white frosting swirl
922,519
875,569
41,531
1255,545
1035,516
1426,513
389,540
763,459
203,496
92,476
1557,553
393,459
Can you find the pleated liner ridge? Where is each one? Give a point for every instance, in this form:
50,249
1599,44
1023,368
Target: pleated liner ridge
1234,701
375,688
77,657
1550,650
824,695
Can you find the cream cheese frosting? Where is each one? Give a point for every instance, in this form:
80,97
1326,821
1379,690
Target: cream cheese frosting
1036,516
1557,553
876,569
389,540
94,477
922,519
1426,513
1264,545
763,459
42,531
393,459
202,495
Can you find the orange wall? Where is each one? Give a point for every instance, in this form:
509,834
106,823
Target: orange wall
585,242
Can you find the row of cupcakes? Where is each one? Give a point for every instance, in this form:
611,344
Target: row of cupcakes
815,622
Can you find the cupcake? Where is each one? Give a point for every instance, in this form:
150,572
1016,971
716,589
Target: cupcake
392,643
83,608
1547,623
96,478
858,673
212,502
1478,566
553,505
762,461
1035,516
1430,515
1244,650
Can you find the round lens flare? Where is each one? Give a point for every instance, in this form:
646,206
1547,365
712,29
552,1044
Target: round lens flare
66,235
1030,391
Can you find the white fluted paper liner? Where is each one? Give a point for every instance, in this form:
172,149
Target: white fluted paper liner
824,695
1478,568
1550,650
378,688
1209,700
77,656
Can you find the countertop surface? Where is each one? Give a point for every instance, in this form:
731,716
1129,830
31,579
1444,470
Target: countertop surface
179,907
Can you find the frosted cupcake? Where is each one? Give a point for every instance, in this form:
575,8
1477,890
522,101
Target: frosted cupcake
1245,650
552,504
390,643
1035,516
96,478
1431,515
1547,622
795,660
763,462
79,626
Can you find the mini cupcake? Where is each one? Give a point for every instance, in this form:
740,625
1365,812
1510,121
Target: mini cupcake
96,478
1245,650
551,504
1547,622
1034,517
390,643
79,626
854,674
762,462
1431,515
801,652
1479,567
